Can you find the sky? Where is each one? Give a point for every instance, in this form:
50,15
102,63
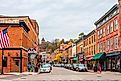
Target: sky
59,18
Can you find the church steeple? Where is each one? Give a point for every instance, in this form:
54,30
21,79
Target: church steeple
43,39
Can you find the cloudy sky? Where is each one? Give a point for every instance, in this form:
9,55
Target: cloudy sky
59,18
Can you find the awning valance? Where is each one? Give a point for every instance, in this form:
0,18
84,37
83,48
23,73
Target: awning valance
113,54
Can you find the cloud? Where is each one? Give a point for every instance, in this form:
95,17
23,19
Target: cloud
59,18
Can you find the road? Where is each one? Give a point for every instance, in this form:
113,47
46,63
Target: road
65,74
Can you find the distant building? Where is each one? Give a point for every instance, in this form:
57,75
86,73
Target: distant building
43,45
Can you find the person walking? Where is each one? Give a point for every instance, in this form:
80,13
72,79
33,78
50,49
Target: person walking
99,68
29,66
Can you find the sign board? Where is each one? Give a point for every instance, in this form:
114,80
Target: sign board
32,50
9,20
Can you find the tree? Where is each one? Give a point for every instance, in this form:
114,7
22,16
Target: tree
81,34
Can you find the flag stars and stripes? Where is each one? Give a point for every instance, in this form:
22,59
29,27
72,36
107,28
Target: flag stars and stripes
4,39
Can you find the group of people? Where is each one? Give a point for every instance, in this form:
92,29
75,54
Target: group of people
32,67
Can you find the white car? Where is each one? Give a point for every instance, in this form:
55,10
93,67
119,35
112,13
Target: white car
82,67
44,68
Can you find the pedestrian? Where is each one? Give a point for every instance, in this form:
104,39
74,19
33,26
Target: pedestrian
99,68
29,66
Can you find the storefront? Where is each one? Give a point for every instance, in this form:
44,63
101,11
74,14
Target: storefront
113,61
89,62
75,59
81,58
100,58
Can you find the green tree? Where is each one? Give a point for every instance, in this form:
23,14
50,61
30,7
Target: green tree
81,34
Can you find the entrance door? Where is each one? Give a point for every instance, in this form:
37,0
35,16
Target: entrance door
17,65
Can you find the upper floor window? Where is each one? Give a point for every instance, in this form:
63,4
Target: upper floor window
98,34
111,27
116,42
103,31
94,38
111,43
115,24
108,44
107,29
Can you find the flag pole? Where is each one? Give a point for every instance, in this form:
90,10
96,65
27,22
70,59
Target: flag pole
2,60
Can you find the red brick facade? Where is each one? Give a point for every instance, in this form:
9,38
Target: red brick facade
22,37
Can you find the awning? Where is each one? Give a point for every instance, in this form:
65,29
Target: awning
113,54
75,58
99,56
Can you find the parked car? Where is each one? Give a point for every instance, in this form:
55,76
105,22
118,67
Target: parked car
74,66
44,68
49,66
81,67
57,65
70,66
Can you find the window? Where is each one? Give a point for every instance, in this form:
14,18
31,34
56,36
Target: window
5,62
94,38
94,49
103,31
17,62
111,43
115,24
116,42
98,34
111,27
107,29
108,44
104,46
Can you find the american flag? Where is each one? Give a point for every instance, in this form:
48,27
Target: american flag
4,39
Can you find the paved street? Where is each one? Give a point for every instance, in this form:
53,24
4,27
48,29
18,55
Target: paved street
65,74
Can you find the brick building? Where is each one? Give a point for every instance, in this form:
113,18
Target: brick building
23,34
108,37
80,49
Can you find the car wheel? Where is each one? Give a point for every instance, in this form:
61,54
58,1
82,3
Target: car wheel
78,70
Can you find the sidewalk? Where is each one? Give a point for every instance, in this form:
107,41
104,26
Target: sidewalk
106,72
15,74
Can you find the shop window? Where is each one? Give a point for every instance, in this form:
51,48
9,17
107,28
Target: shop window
5,62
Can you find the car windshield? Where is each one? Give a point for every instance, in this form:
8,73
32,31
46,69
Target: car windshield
45,66
81,65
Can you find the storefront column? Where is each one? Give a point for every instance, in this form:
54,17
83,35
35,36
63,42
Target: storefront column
120,63
111,64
